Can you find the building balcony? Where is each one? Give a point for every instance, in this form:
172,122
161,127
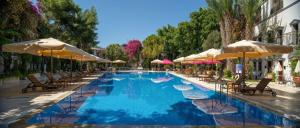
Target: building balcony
291,38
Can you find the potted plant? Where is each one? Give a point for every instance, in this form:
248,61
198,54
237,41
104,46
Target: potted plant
296,79
293,64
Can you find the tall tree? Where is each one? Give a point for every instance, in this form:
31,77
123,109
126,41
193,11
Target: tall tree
184,39
65,20
115,51
224,10
153,47
204,22
249,10
19,20
213,40
167,36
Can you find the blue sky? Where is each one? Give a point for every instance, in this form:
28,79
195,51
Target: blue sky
123,20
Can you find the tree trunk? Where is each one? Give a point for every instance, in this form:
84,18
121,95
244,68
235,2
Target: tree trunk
228,29
228,20
249,31
222,32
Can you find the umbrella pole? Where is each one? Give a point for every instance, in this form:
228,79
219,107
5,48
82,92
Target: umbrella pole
42,64
71,69
212,59
80,65
51,66
243,72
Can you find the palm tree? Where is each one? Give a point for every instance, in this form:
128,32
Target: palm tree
224,10
249,10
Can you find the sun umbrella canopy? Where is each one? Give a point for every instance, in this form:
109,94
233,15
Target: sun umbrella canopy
255,49
47,47
197,62
94,58
156,61
208,54
297,69
211,62
119,62
179,60
166,62
190,57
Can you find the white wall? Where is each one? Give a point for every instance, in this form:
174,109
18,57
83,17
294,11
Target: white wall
284,19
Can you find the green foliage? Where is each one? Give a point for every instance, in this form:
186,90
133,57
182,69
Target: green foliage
18,21
153,46
115,52
204,22
187,38
22,20
249,10
147,63
294,60
293,64
227,74
213,40
167,35
66,21
250,70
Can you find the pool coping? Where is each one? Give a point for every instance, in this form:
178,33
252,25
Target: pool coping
249,101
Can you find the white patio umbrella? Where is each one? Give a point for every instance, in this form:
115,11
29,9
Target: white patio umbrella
297,69
179,60
156,61
48,47
254,49
190,57
119,62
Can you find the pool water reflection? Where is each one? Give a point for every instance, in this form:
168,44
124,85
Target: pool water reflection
135,99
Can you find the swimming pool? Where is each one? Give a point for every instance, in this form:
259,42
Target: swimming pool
145,98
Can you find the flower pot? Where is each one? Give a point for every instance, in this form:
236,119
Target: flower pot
296,80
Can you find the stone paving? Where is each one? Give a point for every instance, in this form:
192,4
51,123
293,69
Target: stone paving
15,105
286,103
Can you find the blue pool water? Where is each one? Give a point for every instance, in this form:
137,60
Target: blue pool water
153,99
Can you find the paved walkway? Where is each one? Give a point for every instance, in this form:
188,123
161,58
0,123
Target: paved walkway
286,103
15,105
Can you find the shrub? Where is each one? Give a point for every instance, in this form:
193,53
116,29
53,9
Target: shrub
227,73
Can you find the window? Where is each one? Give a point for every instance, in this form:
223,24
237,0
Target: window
296,34
279,34
270,36
276,5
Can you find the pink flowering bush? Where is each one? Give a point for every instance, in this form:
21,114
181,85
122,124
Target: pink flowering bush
35,8
133,48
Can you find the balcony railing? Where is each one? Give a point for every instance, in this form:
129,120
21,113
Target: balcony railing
291,38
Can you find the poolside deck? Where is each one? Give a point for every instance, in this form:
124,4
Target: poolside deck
286,103
15,106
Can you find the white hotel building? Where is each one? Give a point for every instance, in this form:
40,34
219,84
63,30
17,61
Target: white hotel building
279,23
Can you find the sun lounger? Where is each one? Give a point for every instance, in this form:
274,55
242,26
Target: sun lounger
57,80
262,87
208,78
235,85
69,77
35,83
